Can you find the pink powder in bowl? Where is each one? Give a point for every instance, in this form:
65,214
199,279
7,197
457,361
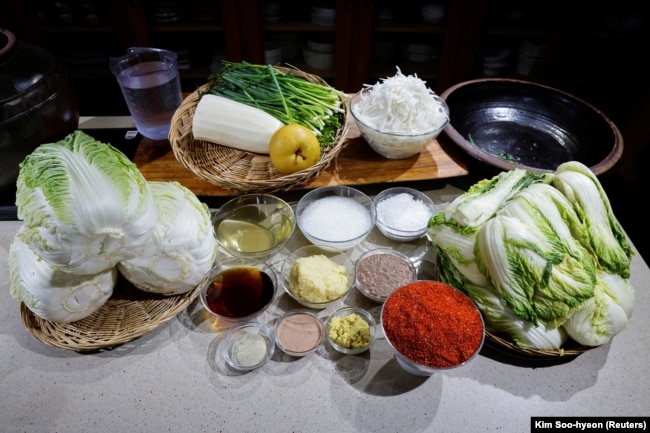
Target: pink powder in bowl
299,332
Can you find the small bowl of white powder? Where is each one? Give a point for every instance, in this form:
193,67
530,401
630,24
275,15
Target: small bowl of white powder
403,213
336,216
248,346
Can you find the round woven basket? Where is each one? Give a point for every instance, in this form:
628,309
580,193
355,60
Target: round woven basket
128,314
235,169
571,348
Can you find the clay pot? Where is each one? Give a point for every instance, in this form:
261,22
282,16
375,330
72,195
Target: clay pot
38,105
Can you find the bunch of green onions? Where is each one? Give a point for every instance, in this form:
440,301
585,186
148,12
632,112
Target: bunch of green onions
288,98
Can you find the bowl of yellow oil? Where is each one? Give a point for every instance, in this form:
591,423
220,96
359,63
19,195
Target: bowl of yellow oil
254,225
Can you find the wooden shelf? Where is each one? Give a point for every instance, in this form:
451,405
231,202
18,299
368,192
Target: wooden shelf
187,27
574,32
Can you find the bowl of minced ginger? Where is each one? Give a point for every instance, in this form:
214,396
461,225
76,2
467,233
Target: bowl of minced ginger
350,330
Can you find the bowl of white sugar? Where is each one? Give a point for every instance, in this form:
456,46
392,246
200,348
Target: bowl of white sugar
336,216
403,213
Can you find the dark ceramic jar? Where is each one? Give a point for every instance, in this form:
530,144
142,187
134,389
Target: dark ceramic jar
37,105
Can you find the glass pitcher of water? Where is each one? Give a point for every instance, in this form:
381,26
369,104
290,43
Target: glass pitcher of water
148,78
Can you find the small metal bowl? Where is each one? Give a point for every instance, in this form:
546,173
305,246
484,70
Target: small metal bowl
351,335
258,336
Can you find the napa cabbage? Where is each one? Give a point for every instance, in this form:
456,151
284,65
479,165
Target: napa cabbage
542,255
84,204
605,236
605,314
88,215
51,293
182,248
499,318
483,199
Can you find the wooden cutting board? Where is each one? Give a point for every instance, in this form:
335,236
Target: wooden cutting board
356,164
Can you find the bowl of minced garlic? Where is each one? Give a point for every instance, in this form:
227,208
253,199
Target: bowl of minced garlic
350,330
318,276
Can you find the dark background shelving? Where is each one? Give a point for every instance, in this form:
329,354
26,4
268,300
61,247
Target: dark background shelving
594,51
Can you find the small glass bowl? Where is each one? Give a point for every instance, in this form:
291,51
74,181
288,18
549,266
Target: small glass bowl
254,225
335,255
299,332
396,145
401,322
259,335
346,311
320,223
407,202
222,288
381,271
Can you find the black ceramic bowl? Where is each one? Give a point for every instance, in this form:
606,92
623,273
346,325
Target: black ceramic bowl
511,123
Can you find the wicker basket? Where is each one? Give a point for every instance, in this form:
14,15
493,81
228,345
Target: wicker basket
571,348
235,169
128,314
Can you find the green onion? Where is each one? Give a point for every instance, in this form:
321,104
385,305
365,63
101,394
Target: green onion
288,98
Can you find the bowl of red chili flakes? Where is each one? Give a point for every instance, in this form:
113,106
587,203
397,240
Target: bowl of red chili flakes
432,326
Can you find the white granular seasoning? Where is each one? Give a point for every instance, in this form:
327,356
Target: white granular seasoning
336,219
403,212
249,350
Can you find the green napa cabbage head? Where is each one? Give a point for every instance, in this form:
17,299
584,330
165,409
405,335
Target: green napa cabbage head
84,204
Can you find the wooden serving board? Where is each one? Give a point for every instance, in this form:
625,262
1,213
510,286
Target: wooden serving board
356,164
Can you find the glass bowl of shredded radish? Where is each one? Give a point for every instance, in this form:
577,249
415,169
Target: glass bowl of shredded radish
336,216
403,213
399,116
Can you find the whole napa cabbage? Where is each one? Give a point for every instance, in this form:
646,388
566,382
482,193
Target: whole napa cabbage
542,255
88,213
182,248
52,294
84,204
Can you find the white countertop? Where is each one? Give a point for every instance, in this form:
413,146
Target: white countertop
172,380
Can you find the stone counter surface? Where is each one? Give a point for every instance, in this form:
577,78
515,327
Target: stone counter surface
173,380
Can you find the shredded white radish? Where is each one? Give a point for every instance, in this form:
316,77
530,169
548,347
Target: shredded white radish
401,104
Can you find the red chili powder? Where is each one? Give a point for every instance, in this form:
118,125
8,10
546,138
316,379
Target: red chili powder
432,324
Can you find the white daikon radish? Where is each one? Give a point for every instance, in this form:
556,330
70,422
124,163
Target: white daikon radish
230,123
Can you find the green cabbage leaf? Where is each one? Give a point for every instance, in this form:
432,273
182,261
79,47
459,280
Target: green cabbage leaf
499,318
605,235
